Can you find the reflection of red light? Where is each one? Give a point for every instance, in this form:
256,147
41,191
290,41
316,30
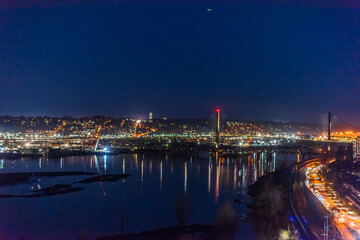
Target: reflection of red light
218,110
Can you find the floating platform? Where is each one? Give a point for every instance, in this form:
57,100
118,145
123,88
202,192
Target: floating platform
23,177
104,178
56,189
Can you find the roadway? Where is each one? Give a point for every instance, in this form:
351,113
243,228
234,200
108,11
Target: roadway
306,209
299,220
344,216
311,198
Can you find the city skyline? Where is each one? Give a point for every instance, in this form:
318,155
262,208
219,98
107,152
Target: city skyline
179,119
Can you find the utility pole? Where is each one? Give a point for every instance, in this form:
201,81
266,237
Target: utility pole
326,228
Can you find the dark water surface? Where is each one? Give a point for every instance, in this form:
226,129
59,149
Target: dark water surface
146,197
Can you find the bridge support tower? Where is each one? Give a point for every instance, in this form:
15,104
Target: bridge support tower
217,130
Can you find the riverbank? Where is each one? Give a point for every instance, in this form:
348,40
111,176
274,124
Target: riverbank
24,177
270,210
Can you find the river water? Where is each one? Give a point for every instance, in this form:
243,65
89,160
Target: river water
145,199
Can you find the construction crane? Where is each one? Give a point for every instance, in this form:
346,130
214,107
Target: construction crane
98,133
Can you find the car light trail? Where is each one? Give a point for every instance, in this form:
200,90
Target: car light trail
344,215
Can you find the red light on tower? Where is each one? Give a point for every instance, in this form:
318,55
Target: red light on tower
217,130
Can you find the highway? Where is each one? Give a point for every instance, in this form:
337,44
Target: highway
345,217
300,222
311,199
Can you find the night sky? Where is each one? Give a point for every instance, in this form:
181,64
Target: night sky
177,59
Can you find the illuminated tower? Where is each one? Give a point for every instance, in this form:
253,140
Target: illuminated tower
150,116
217,131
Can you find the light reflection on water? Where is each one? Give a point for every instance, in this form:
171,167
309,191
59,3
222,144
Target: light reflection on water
146,197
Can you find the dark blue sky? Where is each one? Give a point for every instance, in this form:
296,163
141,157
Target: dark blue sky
255,61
